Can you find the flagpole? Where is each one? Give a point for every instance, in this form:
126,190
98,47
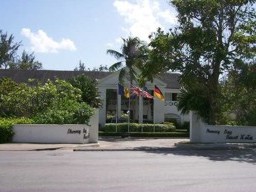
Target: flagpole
129,108
117,105
154,114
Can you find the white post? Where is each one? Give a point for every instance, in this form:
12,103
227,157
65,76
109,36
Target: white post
94,127
154,114
195,127
102,112
140,109
119,105
118,108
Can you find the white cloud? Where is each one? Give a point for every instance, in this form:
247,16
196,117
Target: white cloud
117,42
144,17
41,42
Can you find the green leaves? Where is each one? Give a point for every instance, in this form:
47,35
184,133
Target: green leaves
52,102
89,91
9,58
133,55
6,124
8,49
239,96
211,38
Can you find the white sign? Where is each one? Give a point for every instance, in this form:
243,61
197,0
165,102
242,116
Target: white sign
57,133
228,134
51,133
204,133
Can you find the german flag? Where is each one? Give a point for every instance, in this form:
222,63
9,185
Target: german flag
158,93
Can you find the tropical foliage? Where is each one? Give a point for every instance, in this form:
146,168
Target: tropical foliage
212,37
239,96
6,124
26,62
52,102
88,87
9,58
131,58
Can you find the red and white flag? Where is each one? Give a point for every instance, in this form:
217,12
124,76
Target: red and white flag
136,91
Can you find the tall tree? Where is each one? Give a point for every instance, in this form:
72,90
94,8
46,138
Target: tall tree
240,95
90,93
211,38
8,49
132,55
81,67
26,62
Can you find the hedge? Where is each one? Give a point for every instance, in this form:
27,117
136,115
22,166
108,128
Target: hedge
6,124
135,127
180,134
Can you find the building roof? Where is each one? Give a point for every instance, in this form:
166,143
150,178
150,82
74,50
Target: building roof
22,76
171,80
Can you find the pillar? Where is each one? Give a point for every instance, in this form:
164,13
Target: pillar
119,106
140,109
94,127
102,111
195,127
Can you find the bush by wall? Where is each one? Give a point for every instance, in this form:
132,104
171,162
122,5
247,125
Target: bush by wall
55,102
6,125
135,127
179,134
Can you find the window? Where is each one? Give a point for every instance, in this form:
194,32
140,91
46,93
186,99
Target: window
174,96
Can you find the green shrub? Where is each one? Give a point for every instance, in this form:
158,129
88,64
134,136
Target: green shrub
89,90
66,113
135,127
146,134
6,124
55,102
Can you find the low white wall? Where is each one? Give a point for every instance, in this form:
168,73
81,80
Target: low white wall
51,133
228,134
57,133
204,133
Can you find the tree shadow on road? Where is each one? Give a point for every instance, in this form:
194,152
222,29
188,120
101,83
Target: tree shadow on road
247,155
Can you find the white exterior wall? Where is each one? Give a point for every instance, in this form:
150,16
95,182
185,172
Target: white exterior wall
102,110
50,133
203,133
160,107
57,133
111,82
158,111
170,107
94,127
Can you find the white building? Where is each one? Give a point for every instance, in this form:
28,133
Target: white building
116,106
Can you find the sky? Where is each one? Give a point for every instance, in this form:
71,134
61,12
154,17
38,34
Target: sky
61,33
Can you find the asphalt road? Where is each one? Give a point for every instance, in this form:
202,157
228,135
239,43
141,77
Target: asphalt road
153,170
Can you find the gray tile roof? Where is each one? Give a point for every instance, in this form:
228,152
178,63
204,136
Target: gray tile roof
43,75
171,79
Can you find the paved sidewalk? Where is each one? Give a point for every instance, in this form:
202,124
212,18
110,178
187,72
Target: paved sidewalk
126,144
131,144
34,146
104,144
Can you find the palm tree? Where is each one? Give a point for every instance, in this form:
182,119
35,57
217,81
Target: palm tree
132,56
130,61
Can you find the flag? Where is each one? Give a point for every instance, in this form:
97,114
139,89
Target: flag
158,93
123,91
135,91
146,94
120,89
126,92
